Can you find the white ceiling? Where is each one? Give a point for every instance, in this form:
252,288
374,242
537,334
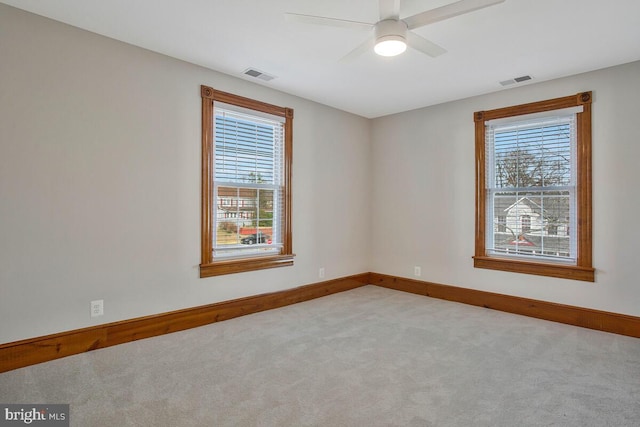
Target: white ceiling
545,39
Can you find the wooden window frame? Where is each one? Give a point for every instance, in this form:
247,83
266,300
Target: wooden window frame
583,269
210,266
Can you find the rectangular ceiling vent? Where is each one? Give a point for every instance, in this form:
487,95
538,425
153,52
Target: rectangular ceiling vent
515,80
252,72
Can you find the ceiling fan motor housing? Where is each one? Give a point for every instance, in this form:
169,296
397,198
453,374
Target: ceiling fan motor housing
390,27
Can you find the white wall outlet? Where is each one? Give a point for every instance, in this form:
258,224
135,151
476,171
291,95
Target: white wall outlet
321,272
97,308
417,271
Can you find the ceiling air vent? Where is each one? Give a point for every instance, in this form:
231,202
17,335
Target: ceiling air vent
252,72
515,80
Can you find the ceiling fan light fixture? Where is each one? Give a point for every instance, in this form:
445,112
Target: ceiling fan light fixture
391,37
390,45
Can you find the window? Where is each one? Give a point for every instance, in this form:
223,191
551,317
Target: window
533,188
246,184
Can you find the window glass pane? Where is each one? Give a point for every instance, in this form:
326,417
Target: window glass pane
530,199
245,221
532,223
229,216
248,158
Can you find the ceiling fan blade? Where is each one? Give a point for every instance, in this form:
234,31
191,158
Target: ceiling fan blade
364,47
423,45
389,9
331,22
448,11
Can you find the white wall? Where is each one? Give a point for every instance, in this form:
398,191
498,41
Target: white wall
423,194
100,182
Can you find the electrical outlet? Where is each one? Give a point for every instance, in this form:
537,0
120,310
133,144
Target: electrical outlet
417,271
321,272
97,308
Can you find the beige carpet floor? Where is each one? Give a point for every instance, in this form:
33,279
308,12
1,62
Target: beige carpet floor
366,357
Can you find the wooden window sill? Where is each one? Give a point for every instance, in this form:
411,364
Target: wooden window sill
562,271
218,268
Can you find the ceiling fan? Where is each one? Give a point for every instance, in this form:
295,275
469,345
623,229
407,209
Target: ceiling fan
391,35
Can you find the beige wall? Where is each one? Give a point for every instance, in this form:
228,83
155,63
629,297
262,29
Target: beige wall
99,186
423,193
100,182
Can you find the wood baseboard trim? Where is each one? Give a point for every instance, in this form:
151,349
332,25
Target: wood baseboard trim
28,352
577,316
